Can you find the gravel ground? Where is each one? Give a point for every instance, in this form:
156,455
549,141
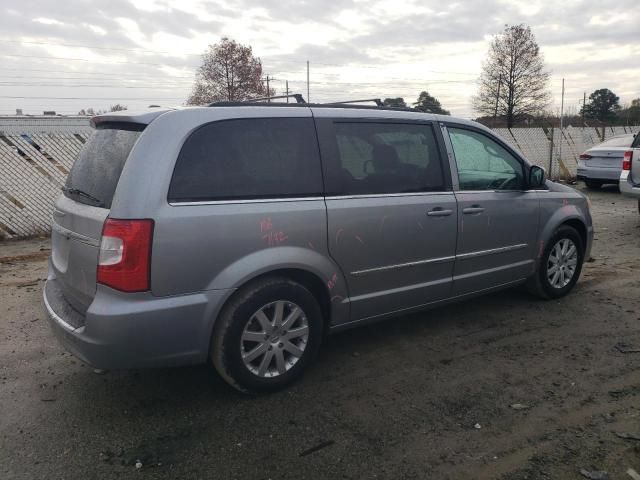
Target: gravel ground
504,386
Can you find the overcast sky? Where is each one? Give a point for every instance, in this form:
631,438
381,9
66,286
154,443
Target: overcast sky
70,54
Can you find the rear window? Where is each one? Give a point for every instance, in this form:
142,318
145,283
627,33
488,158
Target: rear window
248,158
636,141
95,174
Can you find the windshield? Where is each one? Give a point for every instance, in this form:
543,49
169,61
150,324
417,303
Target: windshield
95,174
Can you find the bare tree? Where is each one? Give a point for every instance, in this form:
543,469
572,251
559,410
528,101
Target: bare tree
117,108
513,82
229,71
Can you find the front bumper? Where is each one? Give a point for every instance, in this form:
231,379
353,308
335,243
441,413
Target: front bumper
136,330
587,250
627,187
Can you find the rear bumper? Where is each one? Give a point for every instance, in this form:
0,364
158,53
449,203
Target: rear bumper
627,187
137,330
601,174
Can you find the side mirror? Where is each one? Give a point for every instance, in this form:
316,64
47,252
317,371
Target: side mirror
537,177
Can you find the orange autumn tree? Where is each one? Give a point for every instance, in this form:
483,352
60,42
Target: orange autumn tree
229,72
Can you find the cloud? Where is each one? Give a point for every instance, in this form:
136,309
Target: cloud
356,47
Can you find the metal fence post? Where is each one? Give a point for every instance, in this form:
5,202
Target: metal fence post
551,154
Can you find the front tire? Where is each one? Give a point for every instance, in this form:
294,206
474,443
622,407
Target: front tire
267,335
560,264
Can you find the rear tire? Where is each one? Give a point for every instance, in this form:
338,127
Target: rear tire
267,335
559,266
593,184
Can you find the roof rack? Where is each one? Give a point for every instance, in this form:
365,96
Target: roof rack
299,99
377,101
300,102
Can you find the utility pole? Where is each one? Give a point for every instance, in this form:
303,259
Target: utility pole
584,104
561,125
308,95
495,112
268,91
286,82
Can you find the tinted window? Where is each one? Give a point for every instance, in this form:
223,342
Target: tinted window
636,141
248,158
376,158
97,170
483,164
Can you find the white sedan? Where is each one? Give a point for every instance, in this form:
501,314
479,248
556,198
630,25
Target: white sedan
603,163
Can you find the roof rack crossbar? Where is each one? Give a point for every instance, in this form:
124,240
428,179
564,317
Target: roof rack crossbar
377,101
299,99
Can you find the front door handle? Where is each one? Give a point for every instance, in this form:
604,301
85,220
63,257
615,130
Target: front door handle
473,209
439,212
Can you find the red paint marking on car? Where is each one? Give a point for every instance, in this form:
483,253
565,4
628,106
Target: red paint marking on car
332,281
266,225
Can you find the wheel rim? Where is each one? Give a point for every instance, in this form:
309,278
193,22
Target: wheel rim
562,263
274,339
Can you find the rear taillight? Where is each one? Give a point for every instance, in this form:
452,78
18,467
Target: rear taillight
626,162
125,254
585,156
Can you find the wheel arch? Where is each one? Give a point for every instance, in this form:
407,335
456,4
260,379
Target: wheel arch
580,227
568,215
315,271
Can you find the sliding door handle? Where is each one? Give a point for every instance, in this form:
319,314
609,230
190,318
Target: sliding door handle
472,210
439,212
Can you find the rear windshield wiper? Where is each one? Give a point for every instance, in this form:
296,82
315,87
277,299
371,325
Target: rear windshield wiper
82,193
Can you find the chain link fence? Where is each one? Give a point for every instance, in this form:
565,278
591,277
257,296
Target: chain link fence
36,154
558,151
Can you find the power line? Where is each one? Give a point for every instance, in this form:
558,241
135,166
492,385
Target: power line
98,76
89,85
93,98
90,73
95,47
378,68
86,60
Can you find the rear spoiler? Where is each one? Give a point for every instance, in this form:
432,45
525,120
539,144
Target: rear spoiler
125,120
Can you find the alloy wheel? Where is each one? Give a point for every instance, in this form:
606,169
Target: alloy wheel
274,339
562,263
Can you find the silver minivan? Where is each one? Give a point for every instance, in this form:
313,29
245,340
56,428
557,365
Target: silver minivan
243,233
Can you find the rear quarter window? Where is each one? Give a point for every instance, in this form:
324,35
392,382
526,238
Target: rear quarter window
248,159
99,165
